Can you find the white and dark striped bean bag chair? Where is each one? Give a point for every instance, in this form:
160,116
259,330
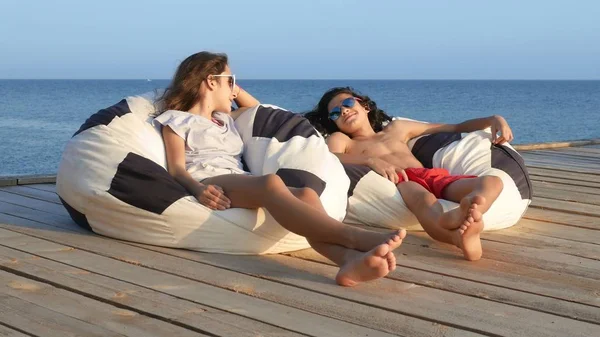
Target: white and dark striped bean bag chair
375,201
112,179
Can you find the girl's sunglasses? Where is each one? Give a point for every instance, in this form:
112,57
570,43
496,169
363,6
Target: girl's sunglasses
349,102
231,79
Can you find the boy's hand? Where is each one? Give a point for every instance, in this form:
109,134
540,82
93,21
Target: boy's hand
213,197
499,124
386,170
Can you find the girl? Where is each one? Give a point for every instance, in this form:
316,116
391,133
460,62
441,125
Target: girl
204,155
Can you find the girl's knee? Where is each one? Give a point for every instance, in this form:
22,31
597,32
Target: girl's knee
307,194
272,182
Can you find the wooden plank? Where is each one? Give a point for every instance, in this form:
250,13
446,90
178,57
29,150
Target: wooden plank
108,317
557,187
37,179
134,298
562,155
566,206
564,174
15,199
573,152
573,177
567,219
543,259
554,193
214,287
26,191
583,312
558,231
36,320
8,331
423,274
8,181
551,145
564,182
469,313
560,160
561,166
525,237
582,150
569,159
44,187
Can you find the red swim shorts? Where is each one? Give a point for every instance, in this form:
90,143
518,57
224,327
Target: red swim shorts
434,179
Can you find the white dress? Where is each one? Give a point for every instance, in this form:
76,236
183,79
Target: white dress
210,149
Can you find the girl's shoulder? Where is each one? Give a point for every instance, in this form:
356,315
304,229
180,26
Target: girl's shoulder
179,118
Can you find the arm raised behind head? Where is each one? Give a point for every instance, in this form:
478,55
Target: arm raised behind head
413,129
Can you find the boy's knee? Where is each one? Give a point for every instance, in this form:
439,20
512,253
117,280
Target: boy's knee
414,194
494,183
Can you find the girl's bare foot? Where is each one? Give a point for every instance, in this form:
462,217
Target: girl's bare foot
365,240
374,264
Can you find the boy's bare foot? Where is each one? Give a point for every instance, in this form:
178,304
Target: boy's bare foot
458,217
469,240
374,264
365,240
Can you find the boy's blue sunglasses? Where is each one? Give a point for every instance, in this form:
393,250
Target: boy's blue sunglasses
336,112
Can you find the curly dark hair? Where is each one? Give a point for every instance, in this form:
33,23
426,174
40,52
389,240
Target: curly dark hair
319,115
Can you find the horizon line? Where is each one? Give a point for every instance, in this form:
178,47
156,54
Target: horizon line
310,79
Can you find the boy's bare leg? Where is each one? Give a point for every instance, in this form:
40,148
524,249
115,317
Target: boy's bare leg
298,216
355,266
482,191
430,214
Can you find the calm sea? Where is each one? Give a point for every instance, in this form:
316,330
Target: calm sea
37,117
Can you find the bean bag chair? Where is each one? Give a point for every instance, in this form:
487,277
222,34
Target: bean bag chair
375,201
112,179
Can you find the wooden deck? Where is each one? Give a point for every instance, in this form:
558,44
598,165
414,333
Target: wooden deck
538,278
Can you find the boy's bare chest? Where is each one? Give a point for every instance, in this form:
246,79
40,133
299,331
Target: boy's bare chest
379,145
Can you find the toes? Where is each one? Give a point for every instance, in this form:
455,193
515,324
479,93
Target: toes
391,259
382,250
402,233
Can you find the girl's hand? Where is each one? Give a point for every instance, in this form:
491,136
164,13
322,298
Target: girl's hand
499,124
213,197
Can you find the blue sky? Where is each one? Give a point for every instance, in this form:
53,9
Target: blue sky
307,39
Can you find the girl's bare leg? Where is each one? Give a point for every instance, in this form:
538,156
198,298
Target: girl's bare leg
302,217
357,267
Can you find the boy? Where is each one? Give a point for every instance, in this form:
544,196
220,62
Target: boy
358,137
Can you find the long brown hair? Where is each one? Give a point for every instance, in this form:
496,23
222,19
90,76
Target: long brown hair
183,92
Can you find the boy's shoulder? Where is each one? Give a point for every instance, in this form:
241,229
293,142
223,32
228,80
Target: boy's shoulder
338,138
394,126
338,135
